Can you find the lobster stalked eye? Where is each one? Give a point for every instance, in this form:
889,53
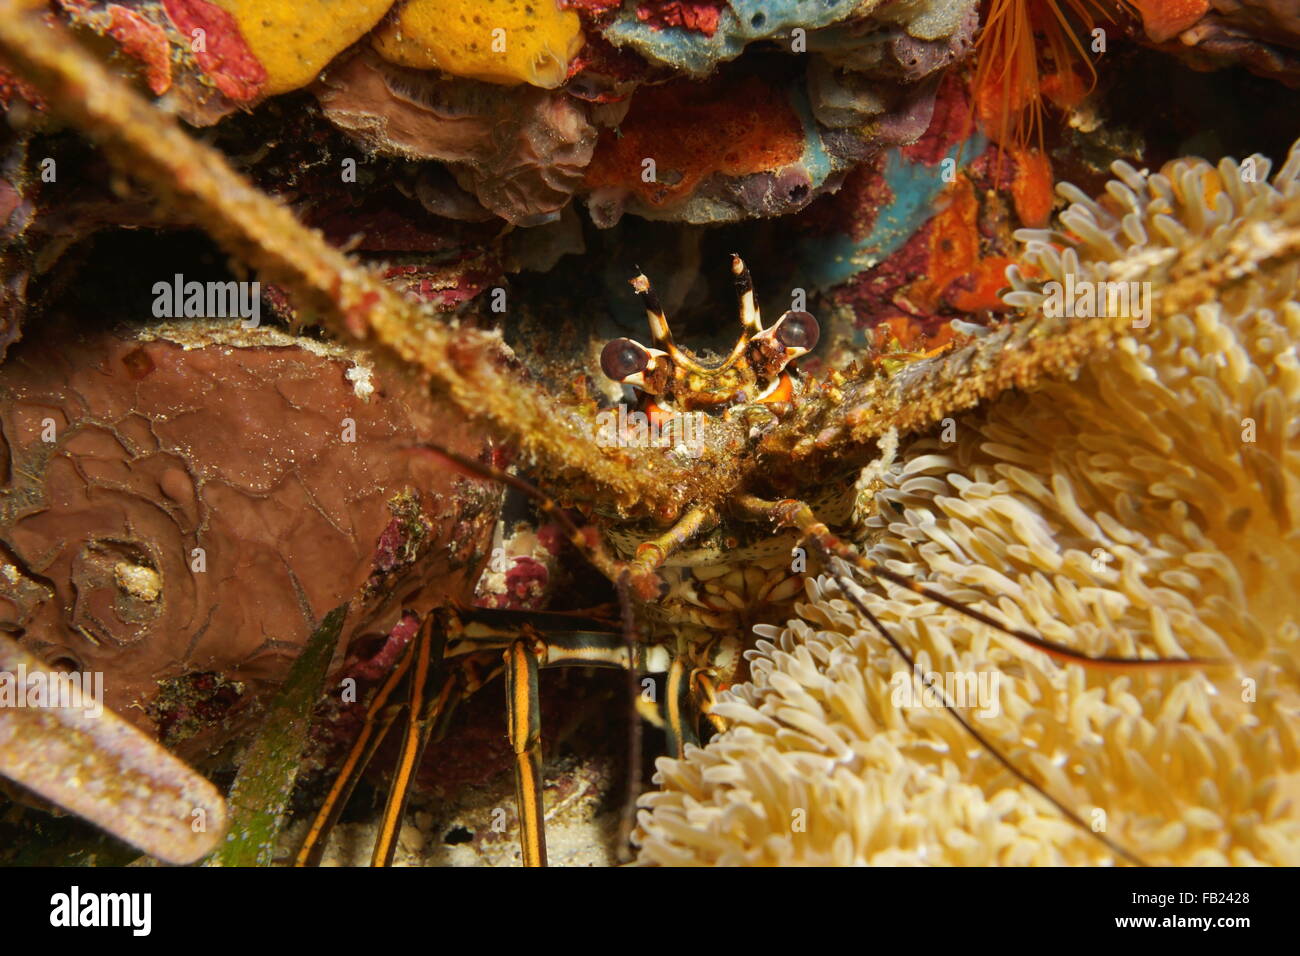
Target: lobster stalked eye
621,358
798,330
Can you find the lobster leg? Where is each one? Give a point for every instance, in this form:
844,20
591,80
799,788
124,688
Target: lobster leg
380,715
437,670
421,666
524,658
679,710
529,642
704,694
524,719
448,641
424,709
688,707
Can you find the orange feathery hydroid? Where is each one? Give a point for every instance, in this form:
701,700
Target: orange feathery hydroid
1031,50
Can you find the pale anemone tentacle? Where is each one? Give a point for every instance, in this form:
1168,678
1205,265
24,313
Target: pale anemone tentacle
1151,506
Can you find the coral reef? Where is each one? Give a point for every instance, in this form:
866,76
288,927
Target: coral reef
871,75
521,154
522,574
182,503
1261,35
765,168
721,36
144,40
738,145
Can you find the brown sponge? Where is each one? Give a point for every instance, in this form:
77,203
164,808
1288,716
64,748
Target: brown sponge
283,459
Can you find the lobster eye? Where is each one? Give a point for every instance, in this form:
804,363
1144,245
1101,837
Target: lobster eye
798,330
623,357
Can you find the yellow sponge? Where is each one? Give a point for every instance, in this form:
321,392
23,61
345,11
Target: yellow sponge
294,40
500,41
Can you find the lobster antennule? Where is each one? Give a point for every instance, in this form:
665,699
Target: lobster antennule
661,335
750,320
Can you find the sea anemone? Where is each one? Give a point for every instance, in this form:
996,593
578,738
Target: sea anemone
1147,508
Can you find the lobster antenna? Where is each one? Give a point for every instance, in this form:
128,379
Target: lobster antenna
849,590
